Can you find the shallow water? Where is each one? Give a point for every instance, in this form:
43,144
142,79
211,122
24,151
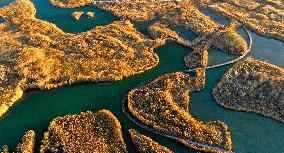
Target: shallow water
251,133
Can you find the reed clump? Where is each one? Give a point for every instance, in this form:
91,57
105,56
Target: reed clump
90,14
86,132
253,86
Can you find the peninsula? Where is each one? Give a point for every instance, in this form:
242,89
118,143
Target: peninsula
86,132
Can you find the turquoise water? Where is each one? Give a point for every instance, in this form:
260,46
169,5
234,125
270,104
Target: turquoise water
251,133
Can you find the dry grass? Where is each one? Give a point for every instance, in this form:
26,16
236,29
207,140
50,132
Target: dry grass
145,144
163,103
87,132
253,86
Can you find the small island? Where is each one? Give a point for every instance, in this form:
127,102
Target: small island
253,86
77,15
145,144
90,14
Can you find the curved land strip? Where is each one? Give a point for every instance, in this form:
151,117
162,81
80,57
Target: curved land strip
253,86
145,144
231,61
37,54
26,146
265,17
86,132
162,106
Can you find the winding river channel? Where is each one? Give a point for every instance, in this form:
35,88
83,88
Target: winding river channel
251,133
